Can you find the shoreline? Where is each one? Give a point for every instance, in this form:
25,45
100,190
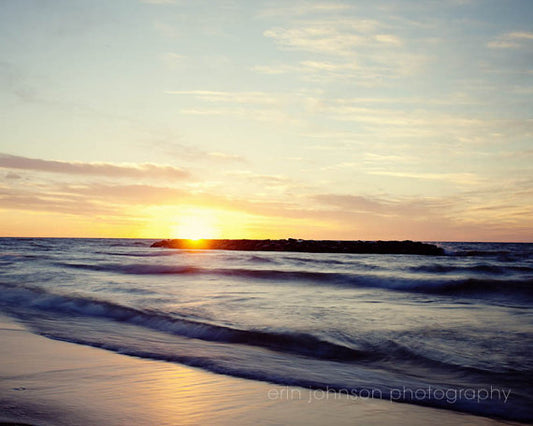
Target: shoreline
50,382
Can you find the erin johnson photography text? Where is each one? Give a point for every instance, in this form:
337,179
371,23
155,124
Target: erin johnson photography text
449,395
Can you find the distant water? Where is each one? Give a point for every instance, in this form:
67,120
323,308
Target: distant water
453,331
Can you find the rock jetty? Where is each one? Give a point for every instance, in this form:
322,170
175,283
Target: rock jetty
308,246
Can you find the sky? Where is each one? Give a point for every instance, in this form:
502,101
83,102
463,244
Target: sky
381,119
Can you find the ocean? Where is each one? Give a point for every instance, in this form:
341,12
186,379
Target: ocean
452,331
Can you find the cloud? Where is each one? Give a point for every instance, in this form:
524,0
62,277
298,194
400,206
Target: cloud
419,122
318,215
11,175
261,179
268,115
353,202
275,69
380,159
337,36
124,199
458,178
421,206
364,51
16,82
128,194
158,1
146,170
459,218
167,30
173,60
52,201
389,39
300,9
189,152
222,156
371,69
512,40
315,40
229,97
328,66
260,106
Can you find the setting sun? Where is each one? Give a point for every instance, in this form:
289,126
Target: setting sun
195,224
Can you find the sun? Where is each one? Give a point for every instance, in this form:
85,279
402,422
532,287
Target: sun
195,225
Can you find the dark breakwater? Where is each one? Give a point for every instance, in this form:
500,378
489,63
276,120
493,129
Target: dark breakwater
307,246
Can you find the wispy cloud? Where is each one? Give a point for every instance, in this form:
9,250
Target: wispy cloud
257,106
313,70
158,1
329,40
354,202
167,30
399,122
51,200
387,206
134,194
458,178
366,52
15,82
223,156
388,158
172,59
229,97
263,180
304,8
109,199
264,115
354,215
438,218
146,170
167,146
512,40
11,175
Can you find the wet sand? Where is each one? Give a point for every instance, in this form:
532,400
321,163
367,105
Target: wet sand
49,382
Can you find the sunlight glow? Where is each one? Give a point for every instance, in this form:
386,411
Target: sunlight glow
195,224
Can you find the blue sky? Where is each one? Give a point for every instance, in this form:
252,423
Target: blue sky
345,120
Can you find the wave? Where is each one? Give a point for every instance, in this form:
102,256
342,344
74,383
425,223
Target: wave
479,253
512,254
316,261
480,267
26,301
148,255
288,342
150,269
443,395
462,287
127,242
347,263
134,268
260,259
480,286
385,354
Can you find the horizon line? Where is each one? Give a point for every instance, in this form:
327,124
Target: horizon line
304,239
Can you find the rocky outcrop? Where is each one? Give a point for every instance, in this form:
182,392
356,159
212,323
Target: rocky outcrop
309,246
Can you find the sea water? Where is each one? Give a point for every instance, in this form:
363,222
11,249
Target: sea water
452,331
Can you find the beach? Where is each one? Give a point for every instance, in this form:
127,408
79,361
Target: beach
113,331
49,382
